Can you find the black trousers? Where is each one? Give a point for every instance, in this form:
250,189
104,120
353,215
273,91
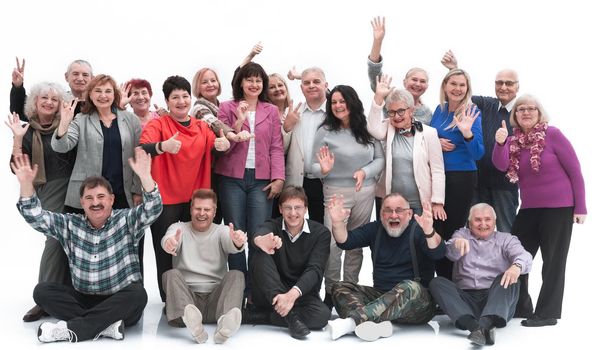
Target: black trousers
316,201
550,230
460,190
171,213
267,283
88,315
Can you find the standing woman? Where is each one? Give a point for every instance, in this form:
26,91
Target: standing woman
348,161
42,110
181,147
138,93
544,164
278,93
252,172
458,123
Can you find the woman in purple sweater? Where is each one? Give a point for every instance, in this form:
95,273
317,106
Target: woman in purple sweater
544,164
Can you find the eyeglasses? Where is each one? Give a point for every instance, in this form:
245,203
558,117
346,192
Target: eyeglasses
523,110
399,211
400,112
508,83
297,208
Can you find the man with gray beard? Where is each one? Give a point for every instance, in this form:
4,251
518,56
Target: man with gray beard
404,248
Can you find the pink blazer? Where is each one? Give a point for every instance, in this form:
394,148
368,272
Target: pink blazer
269,147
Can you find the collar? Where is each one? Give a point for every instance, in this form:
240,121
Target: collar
322,108
294,238
508,106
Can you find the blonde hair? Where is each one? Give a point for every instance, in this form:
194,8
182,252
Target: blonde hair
543,116
288,98
466,101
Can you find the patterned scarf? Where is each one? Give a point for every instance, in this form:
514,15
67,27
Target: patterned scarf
209,105
37,156
534,140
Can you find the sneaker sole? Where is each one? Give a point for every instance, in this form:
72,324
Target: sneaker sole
194,324
229,324
371,331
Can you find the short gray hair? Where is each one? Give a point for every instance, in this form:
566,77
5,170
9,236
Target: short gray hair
313,69
80,62
400,95
482,206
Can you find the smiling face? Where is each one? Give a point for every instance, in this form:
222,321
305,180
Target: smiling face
78,77
277,91
203,211
293,211
339,108
313,87
400,121
103,95
482,222
252,87
416,83
209,87
395,215
179,103
140,100
97,203
47,105
527,115
456,89
506,86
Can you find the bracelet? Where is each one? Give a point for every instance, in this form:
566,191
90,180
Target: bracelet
431,234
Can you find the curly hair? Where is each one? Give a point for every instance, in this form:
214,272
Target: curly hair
39,89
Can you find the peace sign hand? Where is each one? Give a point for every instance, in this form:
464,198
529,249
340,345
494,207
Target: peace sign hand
293,117
18,73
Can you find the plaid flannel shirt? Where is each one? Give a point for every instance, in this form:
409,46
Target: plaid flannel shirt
104,260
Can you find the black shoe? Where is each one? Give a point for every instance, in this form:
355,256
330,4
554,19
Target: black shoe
298,330
537,321
253,315
490,336
478,337
35,314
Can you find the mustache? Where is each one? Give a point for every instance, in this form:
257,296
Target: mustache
100,206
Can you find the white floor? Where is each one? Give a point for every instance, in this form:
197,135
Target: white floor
22,246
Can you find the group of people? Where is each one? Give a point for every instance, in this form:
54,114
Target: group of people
95,176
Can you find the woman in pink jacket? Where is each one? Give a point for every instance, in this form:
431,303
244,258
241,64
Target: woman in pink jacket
414,163
252,172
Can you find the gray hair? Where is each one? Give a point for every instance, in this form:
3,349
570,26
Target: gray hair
400,95
417,70
482,206
313,69
38,90
80,62
543,116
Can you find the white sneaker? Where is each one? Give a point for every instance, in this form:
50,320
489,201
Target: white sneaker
371,331
49,332
193,320
340,327
115,331
228,324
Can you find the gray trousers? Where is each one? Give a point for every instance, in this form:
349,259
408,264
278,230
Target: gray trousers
54,263
227,295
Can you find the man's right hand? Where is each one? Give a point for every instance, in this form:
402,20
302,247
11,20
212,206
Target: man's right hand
25,174
268,243
172,243
18,73
462,245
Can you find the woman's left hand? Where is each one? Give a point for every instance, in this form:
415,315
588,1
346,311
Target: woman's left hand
359,176
579,218
274,187
14,123
438,211
221,144
465,122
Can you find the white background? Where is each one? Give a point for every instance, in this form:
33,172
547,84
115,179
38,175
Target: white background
545,42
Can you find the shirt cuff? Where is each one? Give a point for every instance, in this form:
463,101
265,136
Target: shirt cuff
298,289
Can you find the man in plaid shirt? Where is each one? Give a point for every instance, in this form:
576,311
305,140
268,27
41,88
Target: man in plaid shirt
101,247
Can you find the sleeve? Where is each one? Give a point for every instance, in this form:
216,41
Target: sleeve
52,225
434,254
374,70
136,132
475,146
375,167
70,139
315,269
276,147
515,253
451,252
227,243
18,96
143,215
500,157
228,116
319,141
360,237
436,163
171,231
152,132
269,226
569,161
377,126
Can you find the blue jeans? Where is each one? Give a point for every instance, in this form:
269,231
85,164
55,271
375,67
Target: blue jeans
245,205
504,202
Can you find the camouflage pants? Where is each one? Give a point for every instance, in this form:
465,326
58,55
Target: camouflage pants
408,302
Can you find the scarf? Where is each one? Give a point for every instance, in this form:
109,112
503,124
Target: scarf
534,140
209,105
37,154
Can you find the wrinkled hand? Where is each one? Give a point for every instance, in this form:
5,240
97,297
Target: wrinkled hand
221,143
383,88
336,210
464,123
579,218
447,145
15,124
359,176
141,162
268,243
510,276
426,220
172,243
293,116
293,74
326,160
449,61
275,188
378,28
18,73
439,212
21,166
171,145
501,134
462,245
238,237
283,303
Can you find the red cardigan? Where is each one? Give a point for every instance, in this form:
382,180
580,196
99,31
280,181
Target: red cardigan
178,175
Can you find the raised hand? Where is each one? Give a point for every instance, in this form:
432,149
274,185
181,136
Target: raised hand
275,188
447,145
25,174
293,74
336,210
160,111
448,60
326,160
221,143
257,48
268,243
464,123
140,163
501,134
293,116
426,219
18,73
378,28
383,88
359,176
15,124
172,145
462,245
172,243
238,237
66,115
439,212
124,90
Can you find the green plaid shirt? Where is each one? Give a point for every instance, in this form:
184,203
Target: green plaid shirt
104,260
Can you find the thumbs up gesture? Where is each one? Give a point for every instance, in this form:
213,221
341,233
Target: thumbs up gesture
172,243
239,238
171,145
221,143
501,134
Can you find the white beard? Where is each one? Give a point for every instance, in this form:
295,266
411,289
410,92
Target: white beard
395,232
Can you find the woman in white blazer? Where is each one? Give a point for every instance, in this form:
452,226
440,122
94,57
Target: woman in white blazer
414,164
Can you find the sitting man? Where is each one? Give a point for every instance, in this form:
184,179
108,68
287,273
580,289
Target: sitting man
487,265
288,267
101,247
403,256
199,289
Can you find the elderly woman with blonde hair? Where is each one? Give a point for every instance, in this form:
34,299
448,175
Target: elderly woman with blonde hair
542,161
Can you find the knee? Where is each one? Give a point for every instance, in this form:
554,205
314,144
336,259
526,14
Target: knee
171,275
236,279
41,292
342,287
138,295
437,283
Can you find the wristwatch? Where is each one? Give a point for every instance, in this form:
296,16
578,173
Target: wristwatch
518,265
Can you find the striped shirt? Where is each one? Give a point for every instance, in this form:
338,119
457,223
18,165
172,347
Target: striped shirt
104,260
